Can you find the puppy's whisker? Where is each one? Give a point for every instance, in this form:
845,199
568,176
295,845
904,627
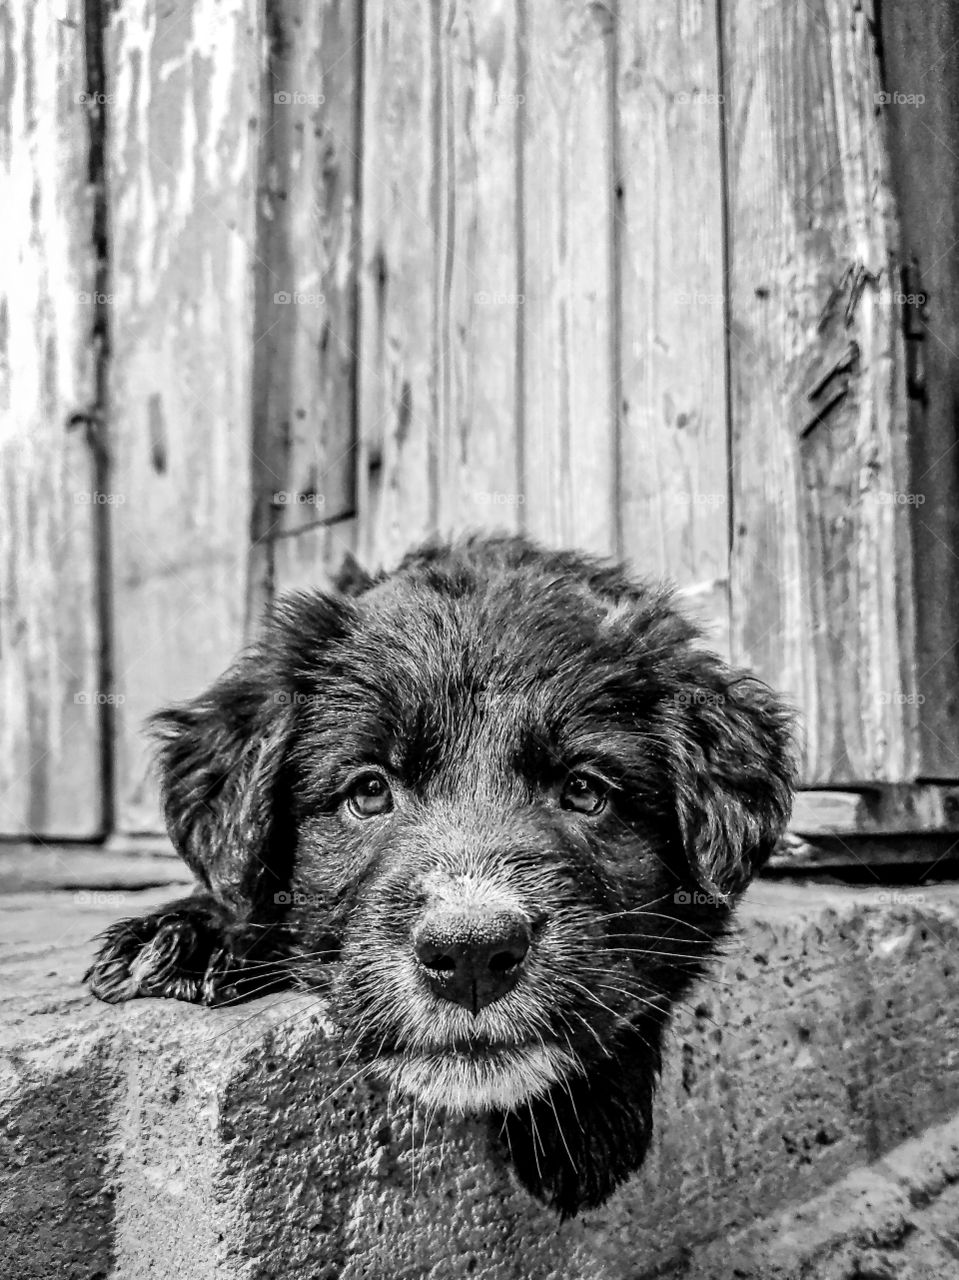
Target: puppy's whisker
278,962
241,997
628,992
696,969
537,1141
263,1014
617,1017
603,1046
657,937
642,906
567,1086
559,1128
657,955
658,915
363,1070
590,995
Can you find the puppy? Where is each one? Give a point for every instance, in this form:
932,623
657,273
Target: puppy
497,806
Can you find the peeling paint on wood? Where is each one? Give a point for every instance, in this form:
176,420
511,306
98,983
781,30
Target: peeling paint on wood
50,694
464,267
821,584
480,309
675,481
920,43
304,343
570,424
185,78
400,436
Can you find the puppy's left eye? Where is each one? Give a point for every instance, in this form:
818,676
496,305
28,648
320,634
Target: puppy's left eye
369,796
583,794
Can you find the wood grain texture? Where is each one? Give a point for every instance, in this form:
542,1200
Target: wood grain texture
570,429
920,43
675,480
304,370
441,448
821,587
398,480
182,182
51,695
479,301
312,557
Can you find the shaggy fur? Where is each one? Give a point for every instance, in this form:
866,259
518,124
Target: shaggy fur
491,732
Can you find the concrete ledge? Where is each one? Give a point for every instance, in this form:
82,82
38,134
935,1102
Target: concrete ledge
897,1219
157,1139
27,868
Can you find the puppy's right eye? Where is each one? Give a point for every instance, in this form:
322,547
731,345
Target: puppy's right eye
582,793
369,796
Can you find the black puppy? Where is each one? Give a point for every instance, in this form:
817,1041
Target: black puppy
498,807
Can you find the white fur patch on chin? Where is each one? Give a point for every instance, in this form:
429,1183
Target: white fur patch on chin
462,1084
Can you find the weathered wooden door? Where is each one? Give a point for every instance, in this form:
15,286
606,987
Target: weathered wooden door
651,280
54,698
844,583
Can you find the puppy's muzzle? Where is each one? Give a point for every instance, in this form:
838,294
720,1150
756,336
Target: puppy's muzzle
472,957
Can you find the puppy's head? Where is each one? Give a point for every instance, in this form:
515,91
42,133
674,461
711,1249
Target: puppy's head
502,802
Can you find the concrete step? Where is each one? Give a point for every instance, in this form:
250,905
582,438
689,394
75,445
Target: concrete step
895,1219
158,1139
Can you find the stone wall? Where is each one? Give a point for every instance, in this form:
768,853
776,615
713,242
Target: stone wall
158,1139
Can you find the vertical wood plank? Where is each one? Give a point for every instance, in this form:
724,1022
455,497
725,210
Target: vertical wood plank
570,421
920,112
304,416
51,693
820,586
312,557
182,174
675,509
399,456
479,305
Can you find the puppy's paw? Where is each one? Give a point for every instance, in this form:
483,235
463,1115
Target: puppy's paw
184,951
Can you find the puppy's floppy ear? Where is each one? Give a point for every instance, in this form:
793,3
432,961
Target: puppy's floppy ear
732,760
221,757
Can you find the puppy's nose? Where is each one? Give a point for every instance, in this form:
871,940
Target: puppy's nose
471,957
